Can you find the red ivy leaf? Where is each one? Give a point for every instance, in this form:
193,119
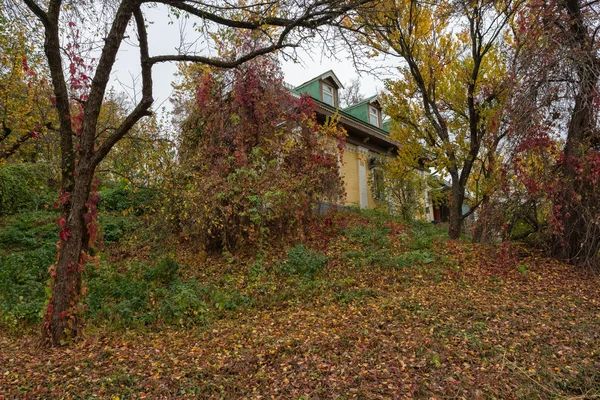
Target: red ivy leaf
65,234
64,198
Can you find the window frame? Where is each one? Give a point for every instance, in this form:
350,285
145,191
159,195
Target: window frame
377,116
332,94
378,184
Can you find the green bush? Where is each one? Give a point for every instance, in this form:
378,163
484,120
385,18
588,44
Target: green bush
23,277
355,295
424,234
184,305
369,235
122,197
141,296
24,186
228,299
27,249
304,262
28,231
164,273
115,225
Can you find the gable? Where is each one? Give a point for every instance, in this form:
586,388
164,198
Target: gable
314,87
363,109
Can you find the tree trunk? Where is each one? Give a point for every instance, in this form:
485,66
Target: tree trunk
455,219
576,202
479,233
63,319
574,198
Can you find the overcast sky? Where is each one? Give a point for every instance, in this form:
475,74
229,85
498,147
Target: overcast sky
164,37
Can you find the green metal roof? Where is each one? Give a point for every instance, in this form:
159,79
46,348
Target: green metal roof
347,112
316,78
364,102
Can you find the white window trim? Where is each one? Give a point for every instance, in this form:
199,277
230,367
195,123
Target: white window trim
371,108
332,93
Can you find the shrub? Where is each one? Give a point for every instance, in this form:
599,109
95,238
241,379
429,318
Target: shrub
27,249
125,299
369,235
23,277
114,225
304,262
355,295
25,186
122,197
164,273
254,162
184,304
228,299
424,234
411,258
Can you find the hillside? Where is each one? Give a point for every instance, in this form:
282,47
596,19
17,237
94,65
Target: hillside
367,307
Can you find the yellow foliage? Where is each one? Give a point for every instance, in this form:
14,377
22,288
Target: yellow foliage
447,66
25,92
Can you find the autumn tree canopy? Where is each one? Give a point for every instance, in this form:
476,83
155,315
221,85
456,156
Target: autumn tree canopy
26,111
448,99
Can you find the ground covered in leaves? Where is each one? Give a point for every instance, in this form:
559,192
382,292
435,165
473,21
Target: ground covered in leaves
366,308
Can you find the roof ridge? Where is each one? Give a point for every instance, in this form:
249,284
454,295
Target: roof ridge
367,100
319,77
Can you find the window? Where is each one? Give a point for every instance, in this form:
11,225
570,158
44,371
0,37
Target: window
374,116
328,96
378,185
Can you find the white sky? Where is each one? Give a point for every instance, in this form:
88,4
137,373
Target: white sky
164,37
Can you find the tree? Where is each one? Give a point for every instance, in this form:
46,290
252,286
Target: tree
351,95
26,112
449,99
80,90
254,159
145,155
559,72
406,187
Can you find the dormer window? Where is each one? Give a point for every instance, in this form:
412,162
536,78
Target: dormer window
327,94
374,116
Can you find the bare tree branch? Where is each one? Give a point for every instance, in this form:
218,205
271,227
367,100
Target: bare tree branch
142,108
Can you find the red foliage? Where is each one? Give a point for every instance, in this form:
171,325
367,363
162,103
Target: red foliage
259,160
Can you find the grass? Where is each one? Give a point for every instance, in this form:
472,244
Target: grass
367,308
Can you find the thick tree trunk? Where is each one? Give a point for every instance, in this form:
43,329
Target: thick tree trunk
576,202
64,319
574,198
455,219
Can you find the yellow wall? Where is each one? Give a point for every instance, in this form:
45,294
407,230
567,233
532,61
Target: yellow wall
351,177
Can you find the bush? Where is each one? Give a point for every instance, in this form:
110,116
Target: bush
115,225
164,273
424,234
246,179
369,235
355,295
122,197
411,258
304,262
23,277
27,249
141,296
25,186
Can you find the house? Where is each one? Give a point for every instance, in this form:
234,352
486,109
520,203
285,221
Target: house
367,141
